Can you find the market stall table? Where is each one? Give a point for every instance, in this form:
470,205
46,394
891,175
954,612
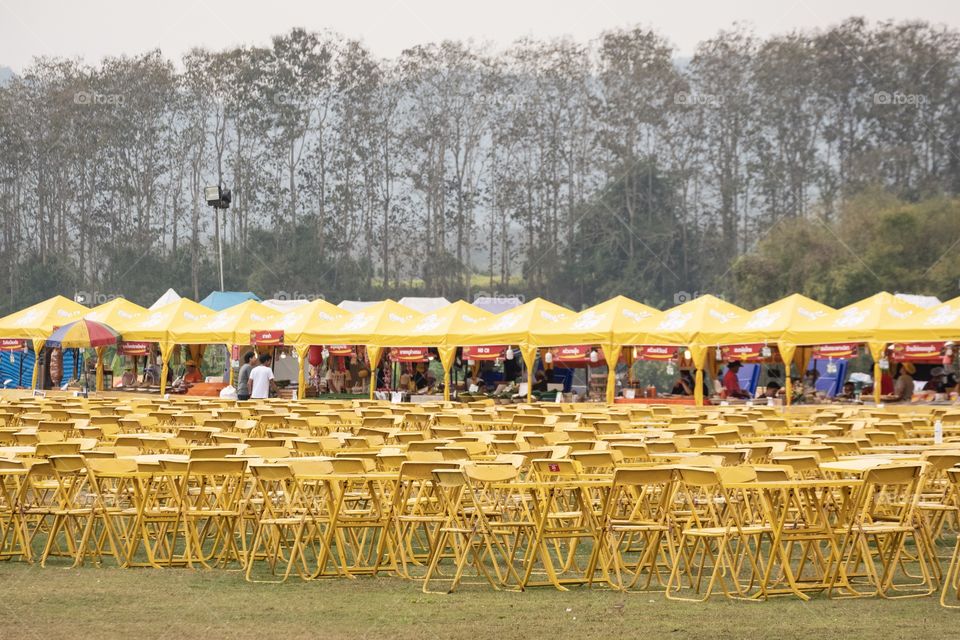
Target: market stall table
685,400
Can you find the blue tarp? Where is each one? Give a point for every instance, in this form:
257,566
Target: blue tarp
10,368
829,383
220,300
749,377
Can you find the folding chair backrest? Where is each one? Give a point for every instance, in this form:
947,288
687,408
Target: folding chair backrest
217,466
773,473
352,465
423,470
48,449
309,467
207,453
111,466
268,452
491,472
556,468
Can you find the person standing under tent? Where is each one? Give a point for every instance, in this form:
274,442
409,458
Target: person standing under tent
243,376
261,379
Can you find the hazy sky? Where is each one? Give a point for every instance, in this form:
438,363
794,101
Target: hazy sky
95,28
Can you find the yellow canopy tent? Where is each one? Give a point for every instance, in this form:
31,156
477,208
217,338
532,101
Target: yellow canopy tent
37,322
607,324
682,325
940,322
768,324
865,321
433,330
512,327
118,313
314,315
159,326
231,326
364,327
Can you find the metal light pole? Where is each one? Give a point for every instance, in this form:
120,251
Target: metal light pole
218,198
216,218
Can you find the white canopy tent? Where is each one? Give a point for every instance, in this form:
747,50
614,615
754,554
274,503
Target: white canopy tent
352,306
169,296
924,302
284,306
424,305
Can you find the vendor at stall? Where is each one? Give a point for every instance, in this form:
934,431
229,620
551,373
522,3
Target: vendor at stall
129,378
772,390
903,384
941,384
540,382
684,384
848,392
192,374
731,384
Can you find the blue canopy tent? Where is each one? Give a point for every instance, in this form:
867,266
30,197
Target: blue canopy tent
220,300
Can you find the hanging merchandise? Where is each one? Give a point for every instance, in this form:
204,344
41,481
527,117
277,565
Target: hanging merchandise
316,355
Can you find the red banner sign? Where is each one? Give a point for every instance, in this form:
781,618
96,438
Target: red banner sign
752,352
12,344
134,348
409,354
841,351
655,352
916,351
572,352
483,353
340,350
266,338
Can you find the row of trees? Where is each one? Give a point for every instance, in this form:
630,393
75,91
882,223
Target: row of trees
573,171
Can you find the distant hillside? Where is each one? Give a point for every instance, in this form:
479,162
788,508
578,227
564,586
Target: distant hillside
6,73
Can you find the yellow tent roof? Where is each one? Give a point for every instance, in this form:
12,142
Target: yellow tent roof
229,326
119,313
766,324
310,317
159,325
432,329
511,327
682,324
862,321
364,327
38,321
941,322
609,322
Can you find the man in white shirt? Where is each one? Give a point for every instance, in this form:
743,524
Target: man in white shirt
261,379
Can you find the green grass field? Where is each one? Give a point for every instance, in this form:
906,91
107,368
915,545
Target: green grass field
57,602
